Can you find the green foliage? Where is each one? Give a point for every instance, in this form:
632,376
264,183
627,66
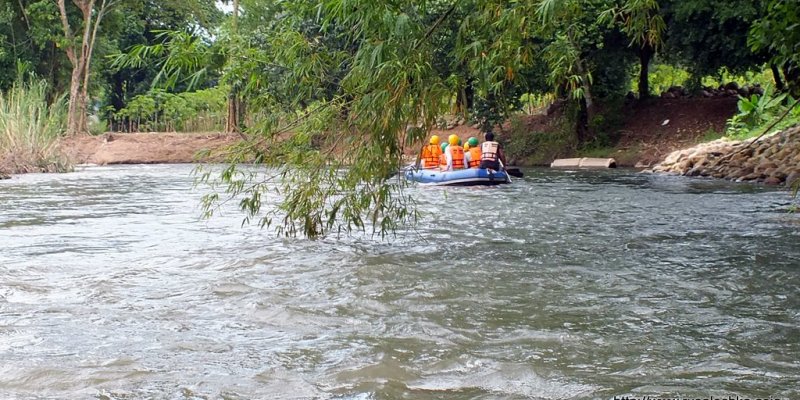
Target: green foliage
389,84
758,76
159,110
605,127
612,65
756,113
710,135
97,126
779,32
706,35
30,128
664,76
184,59
640,20
534,101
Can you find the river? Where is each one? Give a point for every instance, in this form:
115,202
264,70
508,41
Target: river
584,285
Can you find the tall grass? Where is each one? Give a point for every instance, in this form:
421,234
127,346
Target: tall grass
30,129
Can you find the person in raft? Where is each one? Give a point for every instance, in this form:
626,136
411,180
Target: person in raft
492,156
454,154
442,158
472,154
430,154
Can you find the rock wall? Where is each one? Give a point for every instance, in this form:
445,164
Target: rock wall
773,160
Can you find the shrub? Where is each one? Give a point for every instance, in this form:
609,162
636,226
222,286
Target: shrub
757,112
30,129
533,147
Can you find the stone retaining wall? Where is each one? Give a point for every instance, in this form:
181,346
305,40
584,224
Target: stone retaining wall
773,160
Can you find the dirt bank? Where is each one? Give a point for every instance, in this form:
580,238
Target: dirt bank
657,128
143,148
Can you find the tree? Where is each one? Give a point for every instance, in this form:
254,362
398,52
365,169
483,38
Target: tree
778,32
707,35
641,22
387,97
81,58
235,102
139,22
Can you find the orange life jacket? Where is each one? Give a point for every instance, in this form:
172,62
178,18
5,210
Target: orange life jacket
458,156
442,160
474,157
430,156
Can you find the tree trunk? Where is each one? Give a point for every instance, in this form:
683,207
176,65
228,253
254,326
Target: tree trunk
791,73
236,16
469,92
77,104
776,74
234,113
582,124
586,105
645,56
88,50
232,123
80,60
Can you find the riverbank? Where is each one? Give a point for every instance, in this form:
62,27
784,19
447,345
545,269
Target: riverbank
643,134
144,148
771,160
638,134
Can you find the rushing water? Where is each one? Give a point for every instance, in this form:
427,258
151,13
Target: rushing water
563,285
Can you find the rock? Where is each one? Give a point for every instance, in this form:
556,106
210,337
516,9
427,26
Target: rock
758,90
694,171
4,176
682,166
779,175
738,174
751,177
744,92
793,178
706,94
673,157
677,91
765,165
732,86
667,95
772,160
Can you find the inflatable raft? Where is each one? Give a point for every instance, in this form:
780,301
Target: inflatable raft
461,177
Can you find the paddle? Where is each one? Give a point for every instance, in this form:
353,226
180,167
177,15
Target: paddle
515,172
503,168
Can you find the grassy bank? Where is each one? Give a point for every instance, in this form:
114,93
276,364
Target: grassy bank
30,129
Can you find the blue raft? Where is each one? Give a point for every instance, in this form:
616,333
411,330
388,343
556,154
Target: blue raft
461,177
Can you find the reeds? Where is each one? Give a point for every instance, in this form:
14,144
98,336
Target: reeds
30,129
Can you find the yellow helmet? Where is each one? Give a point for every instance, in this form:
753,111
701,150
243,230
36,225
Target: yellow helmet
435,140
466,146
453,139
